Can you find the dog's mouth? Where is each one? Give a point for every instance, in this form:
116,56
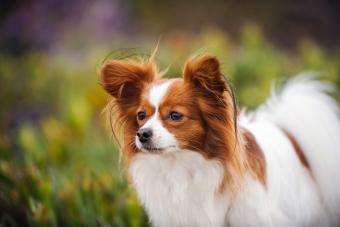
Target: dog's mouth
152,149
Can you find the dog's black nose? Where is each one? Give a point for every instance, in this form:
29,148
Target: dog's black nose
144,134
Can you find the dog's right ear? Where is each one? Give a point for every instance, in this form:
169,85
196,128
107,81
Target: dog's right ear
125,80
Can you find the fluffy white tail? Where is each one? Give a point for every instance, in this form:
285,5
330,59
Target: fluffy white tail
305,110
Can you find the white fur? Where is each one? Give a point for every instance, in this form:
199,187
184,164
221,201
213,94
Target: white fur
291,197
157,93
180,188
312,117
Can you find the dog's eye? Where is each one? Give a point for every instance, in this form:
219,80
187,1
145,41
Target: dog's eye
141,115
175,116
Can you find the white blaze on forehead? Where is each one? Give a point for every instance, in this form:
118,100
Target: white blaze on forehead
157,93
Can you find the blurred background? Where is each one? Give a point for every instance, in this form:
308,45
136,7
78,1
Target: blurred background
58,162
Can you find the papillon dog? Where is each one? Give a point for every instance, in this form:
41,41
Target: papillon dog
195,160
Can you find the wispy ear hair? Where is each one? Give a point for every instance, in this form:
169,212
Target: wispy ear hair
121,53
232,93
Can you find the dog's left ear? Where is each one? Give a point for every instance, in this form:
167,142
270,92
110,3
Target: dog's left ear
216,101
204,73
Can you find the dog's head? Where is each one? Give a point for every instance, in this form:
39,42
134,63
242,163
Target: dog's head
195,112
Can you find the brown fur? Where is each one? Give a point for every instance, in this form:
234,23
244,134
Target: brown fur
189,130
215,102
255,156
298,150
125,81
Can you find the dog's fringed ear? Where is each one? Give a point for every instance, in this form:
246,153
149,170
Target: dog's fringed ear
216,101
124,79
204,73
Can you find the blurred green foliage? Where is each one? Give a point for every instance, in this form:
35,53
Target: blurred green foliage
58,163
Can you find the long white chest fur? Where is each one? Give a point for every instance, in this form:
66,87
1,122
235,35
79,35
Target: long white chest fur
176,187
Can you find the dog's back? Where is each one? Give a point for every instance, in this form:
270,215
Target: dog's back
306,111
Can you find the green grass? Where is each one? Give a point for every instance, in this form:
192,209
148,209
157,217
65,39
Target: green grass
58,162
